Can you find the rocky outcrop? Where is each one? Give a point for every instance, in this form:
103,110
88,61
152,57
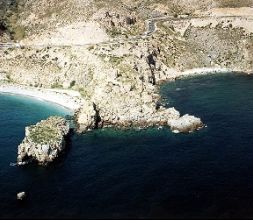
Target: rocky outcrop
21,196
86,117
185,124
44,141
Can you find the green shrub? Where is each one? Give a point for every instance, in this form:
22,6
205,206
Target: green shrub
72,83
56,85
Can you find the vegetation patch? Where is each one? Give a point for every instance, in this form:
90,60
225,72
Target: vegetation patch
56,85
116,60
44,134
114,32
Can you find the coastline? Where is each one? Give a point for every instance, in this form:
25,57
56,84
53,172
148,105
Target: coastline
152,116
173,74
89,117
204,71
67,99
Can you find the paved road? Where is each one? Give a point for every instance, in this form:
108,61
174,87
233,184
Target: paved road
150,29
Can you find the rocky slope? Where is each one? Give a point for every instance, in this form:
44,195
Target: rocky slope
44,141
101,49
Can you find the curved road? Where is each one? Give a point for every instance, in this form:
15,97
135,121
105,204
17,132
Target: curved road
150,29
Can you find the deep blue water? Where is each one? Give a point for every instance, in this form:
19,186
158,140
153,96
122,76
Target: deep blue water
148,173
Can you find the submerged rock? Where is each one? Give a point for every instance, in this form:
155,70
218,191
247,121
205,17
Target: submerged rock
185,124
21,195
44,141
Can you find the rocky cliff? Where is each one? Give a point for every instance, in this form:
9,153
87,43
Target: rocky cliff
44,141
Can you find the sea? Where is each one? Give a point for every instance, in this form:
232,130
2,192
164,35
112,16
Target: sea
150,173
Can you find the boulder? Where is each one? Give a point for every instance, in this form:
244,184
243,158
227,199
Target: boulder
185,124
21,195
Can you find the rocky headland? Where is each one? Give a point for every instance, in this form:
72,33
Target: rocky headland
44,141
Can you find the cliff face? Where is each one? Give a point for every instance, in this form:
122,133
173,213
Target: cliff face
43,142
115,58
10,28
4,33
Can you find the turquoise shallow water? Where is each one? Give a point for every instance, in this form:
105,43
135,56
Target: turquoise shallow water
148,173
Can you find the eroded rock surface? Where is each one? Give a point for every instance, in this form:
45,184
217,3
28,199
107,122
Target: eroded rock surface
185,124
87,117
44,141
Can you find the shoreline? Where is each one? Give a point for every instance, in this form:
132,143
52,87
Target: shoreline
87,114
202,71
69,100
206,71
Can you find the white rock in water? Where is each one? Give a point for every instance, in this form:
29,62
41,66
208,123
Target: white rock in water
186,124
21,196
176,131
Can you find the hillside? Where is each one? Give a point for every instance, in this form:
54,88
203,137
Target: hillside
115,57
26,18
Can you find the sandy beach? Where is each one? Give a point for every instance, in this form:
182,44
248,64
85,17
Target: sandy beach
203,71
68,99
